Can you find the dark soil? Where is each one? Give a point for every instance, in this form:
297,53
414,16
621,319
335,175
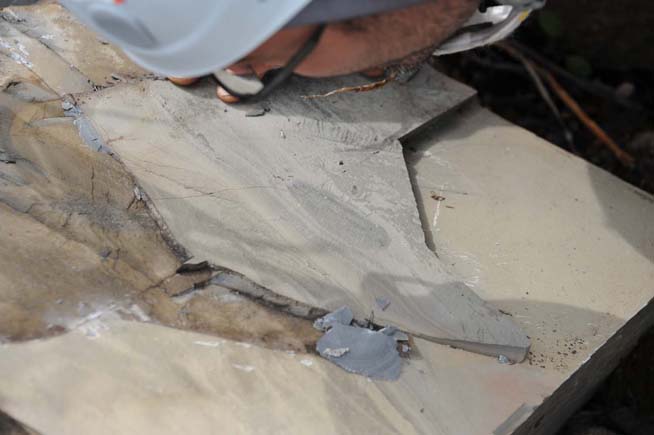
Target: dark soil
625,402
621,101
606,51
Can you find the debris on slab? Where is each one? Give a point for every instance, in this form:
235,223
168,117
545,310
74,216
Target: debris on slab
383,303
503,359
5,157
193,267
138,195
105,252
255,112
397,335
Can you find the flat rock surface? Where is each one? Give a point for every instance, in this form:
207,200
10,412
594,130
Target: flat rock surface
73,237
312,200
563,247
141,378
66,56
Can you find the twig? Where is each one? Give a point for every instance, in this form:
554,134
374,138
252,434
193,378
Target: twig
362,88
624,157
593,88
544,93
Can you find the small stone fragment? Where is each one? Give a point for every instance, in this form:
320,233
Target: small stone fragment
138,195
382,303
504,360
343,316
67,105
392,331
257,111
6,157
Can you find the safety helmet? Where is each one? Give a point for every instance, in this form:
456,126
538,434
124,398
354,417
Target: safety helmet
188,39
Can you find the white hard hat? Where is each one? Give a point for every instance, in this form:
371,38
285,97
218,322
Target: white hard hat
186,39
500,22
189,39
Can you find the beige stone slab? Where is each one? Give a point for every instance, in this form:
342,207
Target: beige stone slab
450,312
161,379
563,246
146,379
158,374
73,237
58,74
311,201
54,27
17,80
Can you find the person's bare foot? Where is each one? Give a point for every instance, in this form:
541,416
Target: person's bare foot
222,94
228,98
183,81
225,96
374,73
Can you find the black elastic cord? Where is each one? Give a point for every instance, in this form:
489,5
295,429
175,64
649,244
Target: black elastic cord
277,77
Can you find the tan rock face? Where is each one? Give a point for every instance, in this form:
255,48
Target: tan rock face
77,240
74,239
217,311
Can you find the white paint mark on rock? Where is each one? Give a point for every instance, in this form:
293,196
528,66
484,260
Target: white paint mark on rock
208,343
17,53
437,213
22,49
244,368
138,313
306,362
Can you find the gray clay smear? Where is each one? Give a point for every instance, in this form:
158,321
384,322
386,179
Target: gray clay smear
369,353
87,131
342,316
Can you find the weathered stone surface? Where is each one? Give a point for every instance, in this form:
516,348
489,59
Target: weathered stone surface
311,201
